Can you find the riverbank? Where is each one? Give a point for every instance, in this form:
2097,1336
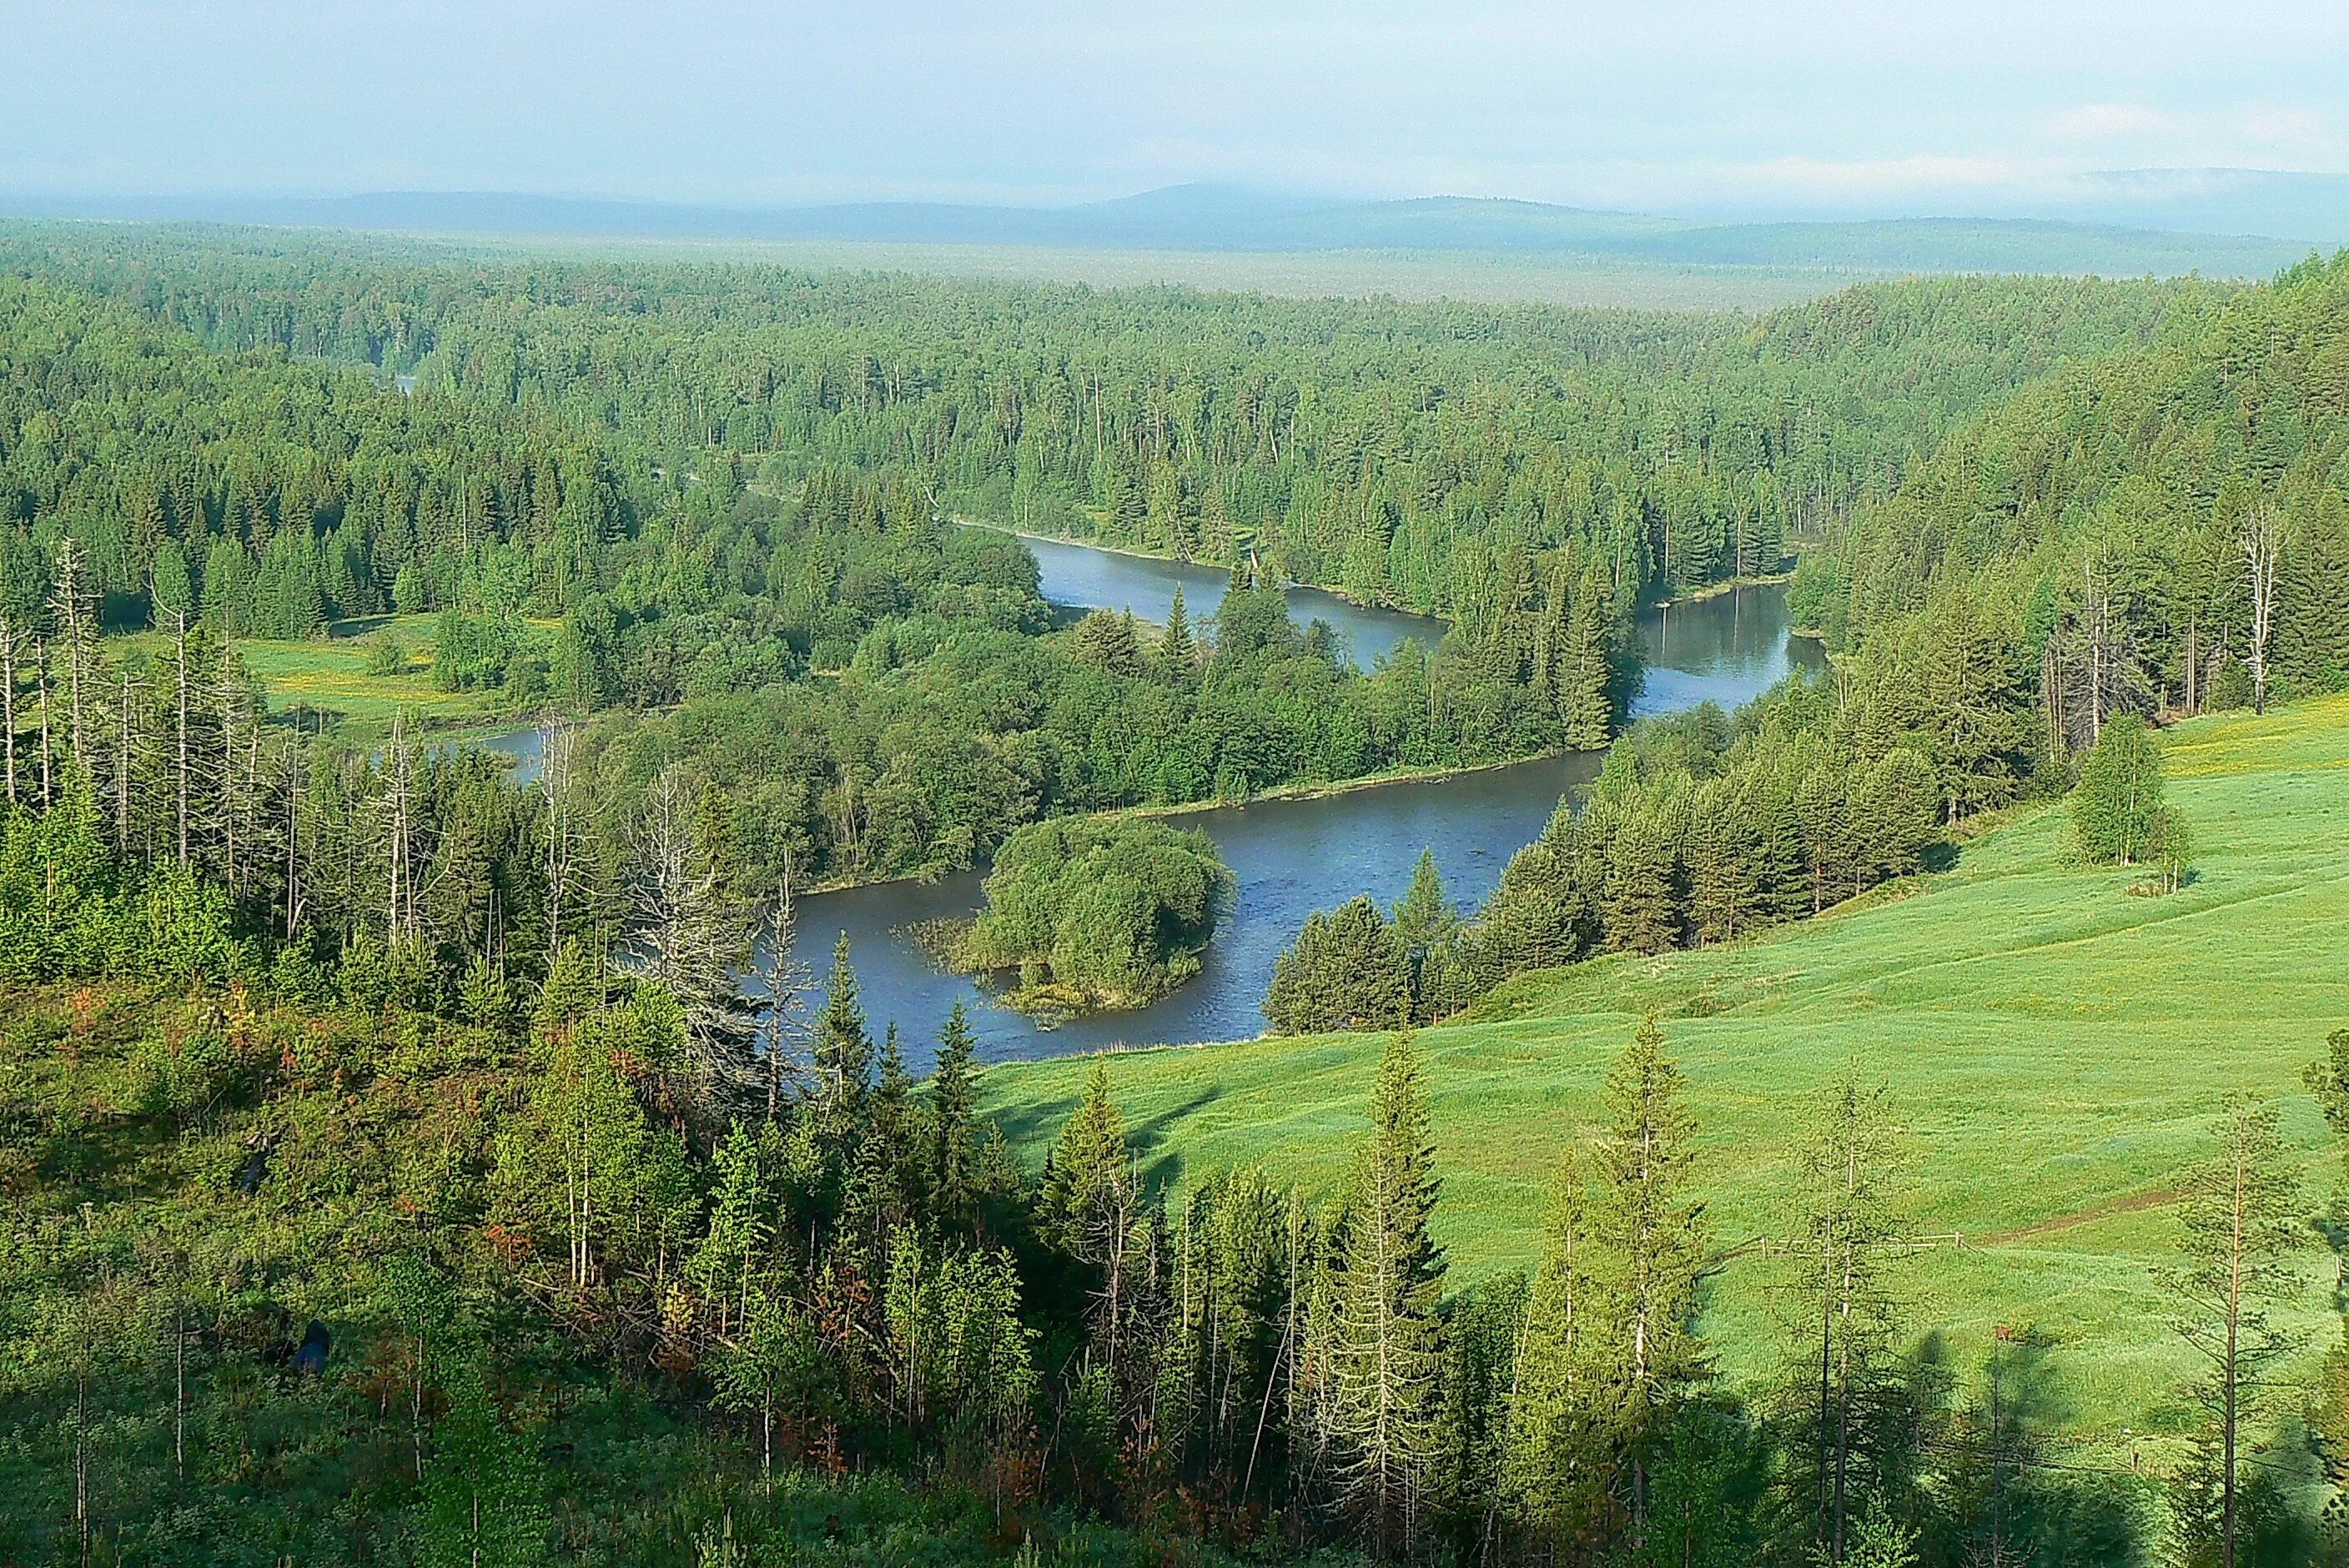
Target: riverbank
1164,558
1280,794
1721,590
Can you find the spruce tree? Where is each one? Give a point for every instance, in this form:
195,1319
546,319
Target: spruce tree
1178,651
1090,1198
1387,1354
952,1156
1639,902
1648,1243
1586,676
842,1056
1347,970
1838,1302
1557,1472
2242,1228
1424,922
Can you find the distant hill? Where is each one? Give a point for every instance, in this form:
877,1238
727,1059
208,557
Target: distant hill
1229,219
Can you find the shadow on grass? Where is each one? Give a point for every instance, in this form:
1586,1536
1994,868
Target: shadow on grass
1039,1122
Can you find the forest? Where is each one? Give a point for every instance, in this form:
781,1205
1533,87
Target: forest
414,1165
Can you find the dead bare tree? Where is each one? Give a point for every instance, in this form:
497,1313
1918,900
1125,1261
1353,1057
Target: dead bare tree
555,748
183,697
2262,542
70,606
785,984
689,936
8,635
399,824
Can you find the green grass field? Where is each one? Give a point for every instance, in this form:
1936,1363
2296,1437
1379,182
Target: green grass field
331,676
2057,1048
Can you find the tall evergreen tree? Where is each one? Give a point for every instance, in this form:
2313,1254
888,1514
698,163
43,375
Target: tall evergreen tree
1347,970
843,1054
2242,1228
1091,1200
1178,650
1649,1240
1387,1354
1838,1302
1424,923
951,1157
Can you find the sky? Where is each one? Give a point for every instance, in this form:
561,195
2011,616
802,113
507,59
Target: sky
1832,106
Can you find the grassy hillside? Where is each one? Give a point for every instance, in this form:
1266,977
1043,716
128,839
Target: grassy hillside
2055,1045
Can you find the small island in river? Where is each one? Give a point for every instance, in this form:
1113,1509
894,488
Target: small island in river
1096,914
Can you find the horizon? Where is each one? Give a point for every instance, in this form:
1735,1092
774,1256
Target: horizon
1803,108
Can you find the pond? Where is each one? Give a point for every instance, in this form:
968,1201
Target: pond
1290,857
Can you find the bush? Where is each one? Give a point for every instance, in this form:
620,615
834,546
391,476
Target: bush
387,658
2117,802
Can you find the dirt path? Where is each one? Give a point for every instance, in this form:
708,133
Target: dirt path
2129,1204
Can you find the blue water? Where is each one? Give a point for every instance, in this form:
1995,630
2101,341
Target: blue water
1291,856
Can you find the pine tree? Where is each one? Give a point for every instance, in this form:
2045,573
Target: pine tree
1838,1307
952,1155
1387,1354
1648,1243
1178,651
2242,1228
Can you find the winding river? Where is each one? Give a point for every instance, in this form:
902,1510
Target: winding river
1291,856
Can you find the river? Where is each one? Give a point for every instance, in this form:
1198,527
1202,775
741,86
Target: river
1290,857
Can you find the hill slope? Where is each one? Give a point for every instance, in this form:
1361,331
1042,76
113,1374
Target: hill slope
2055,1046
1210,219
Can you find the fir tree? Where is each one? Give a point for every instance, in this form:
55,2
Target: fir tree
2242,1228
1178,651
951,1159
1386,1355
1648,1242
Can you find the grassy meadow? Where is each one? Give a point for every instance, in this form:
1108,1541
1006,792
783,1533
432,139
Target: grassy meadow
2056,1047
332,675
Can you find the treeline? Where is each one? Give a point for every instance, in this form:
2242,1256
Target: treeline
2149,534
1390,451
267,495
2159,530
1700,829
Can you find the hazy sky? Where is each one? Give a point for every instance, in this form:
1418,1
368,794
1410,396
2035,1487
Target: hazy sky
1764,103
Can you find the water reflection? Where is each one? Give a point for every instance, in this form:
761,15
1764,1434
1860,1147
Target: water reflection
1087,578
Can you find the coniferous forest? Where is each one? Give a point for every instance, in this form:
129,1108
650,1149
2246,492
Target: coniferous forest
407,1164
